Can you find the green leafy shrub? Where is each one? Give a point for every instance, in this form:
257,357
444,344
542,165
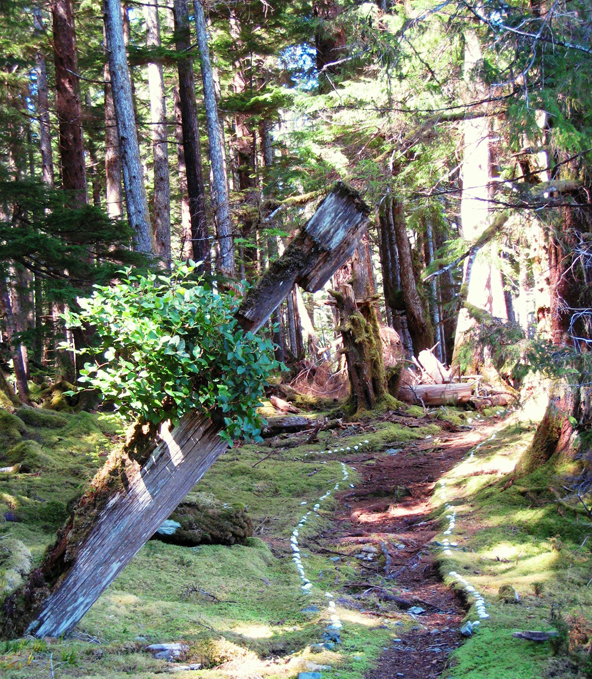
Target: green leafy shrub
170,344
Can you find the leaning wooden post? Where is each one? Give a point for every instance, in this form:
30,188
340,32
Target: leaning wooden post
141,484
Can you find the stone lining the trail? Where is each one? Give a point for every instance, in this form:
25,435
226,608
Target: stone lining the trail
480,603
335,623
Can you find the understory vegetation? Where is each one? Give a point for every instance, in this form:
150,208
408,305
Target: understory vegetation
241,609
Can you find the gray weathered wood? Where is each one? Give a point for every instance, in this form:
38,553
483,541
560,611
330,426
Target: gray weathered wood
130,519
150,493
327,241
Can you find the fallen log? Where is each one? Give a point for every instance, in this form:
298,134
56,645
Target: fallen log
283,406
142,483
435,394
285,425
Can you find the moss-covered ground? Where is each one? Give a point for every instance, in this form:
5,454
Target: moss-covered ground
511,531
240,609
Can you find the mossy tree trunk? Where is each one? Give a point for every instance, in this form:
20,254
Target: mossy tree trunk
142,483
418,320
362,345
564,430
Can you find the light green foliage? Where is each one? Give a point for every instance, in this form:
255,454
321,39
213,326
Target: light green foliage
170,345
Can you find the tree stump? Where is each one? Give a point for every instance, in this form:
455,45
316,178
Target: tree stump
362,345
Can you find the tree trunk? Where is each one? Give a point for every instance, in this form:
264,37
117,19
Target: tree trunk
363,348
569,413
220,200
435,298
482,282
113,191
43,108
420,328
15,349
135,192
67,99
186,235
142,483
295,327
162,192
191,148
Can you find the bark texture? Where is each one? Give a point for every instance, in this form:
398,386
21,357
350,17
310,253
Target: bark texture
186,236
16,354
568,413
225,263
162,192
327,241
135,192
420,328
363,348
200,243
43,107
142,483
67,99
114,196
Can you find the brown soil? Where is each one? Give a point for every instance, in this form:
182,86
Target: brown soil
370,515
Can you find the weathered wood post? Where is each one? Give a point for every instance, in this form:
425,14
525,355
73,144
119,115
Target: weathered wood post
142,484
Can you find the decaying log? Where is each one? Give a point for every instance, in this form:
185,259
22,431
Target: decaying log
283,406
326,242
436,394
142,483
285,425
432,366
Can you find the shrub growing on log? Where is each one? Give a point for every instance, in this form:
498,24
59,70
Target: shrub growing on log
172,345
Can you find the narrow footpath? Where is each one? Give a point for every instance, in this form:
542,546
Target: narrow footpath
388,515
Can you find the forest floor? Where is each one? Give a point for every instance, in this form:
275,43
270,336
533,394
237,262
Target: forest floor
372,548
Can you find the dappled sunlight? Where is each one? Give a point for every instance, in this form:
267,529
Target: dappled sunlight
254,631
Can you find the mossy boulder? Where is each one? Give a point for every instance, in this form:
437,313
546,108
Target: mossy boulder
15,562
30,456
201,519
11,429
35,417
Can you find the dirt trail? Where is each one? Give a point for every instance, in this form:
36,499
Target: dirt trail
369,515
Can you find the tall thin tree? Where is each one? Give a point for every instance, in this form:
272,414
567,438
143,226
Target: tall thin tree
135,192
190,127
225,263
162,193
67,99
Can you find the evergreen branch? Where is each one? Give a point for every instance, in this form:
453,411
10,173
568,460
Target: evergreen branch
535,37
488,235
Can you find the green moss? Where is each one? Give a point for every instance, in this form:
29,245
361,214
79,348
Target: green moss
510,534
15,562
30,456
450,415
492,653
11,430
36,417
414,411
